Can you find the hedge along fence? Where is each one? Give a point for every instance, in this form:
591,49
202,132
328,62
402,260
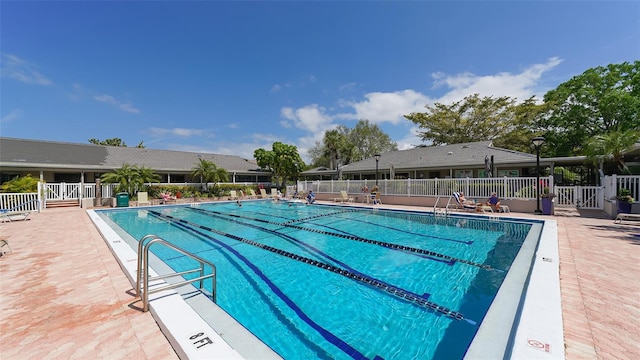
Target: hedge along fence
192,191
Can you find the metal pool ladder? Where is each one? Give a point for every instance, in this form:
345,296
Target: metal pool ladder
142,275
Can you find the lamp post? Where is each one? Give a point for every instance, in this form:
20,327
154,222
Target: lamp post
537,143
377,156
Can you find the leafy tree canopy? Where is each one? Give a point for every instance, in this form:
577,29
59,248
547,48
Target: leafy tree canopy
501,120
113,142
282,160
601,101
342,145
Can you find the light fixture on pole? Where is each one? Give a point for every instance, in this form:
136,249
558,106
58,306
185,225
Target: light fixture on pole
377,156
537,143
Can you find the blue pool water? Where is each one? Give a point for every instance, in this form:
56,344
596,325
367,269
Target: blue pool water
333,282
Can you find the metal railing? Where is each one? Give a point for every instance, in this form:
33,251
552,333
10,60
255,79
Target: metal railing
143,278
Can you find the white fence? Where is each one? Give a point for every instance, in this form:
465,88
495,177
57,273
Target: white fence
614,183
588,197
585,197
20,202
505,188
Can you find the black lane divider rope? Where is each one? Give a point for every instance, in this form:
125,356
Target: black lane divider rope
339,343
288,218
398,292
358,238
313,249
316,216
408,232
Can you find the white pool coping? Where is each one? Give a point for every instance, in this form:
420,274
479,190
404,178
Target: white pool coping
190,335
537,333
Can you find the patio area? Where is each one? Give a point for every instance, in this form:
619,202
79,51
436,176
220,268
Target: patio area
65,296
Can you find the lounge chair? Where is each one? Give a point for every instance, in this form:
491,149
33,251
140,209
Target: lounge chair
461,205
6,216
377,200
274,193
623,216
143,198
233,195
252,194
263,194
344,197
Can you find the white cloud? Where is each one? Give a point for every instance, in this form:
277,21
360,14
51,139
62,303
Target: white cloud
521,86
14,114
347,87
128,107
276,88
390,107
181,132
23,71
381,107
312,118
410,140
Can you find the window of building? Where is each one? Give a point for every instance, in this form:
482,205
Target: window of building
509,173
467,173
66,178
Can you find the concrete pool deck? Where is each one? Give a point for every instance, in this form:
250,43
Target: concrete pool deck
63,295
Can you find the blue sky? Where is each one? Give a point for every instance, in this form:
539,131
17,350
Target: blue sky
231,77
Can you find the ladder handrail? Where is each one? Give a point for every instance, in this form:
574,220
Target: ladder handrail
445,212
142,276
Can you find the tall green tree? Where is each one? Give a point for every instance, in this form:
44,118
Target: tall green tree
600,101
367,140
342,146
336,145
501,120
282,160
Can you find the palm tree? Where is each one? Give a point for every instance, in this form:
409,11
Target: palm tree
127,177
207,171
612,146
147,175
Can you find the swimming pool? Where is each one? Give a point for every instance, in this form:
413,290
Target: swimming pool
341,282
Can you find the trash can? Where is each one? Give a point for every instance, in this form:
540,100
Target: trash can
122,199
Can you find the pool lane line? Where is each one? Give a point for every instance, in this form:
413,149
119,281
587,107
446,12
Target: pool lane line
313,249
333,339
235,218
338,219
361,239
408,232
276,310
398,292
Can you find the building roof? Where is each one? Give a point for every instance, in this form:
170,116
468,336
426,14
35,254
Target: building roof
440,157
24,153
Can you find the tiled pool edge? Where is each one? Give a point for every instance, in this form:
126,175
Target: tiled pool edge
537,331
540,332
189,334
